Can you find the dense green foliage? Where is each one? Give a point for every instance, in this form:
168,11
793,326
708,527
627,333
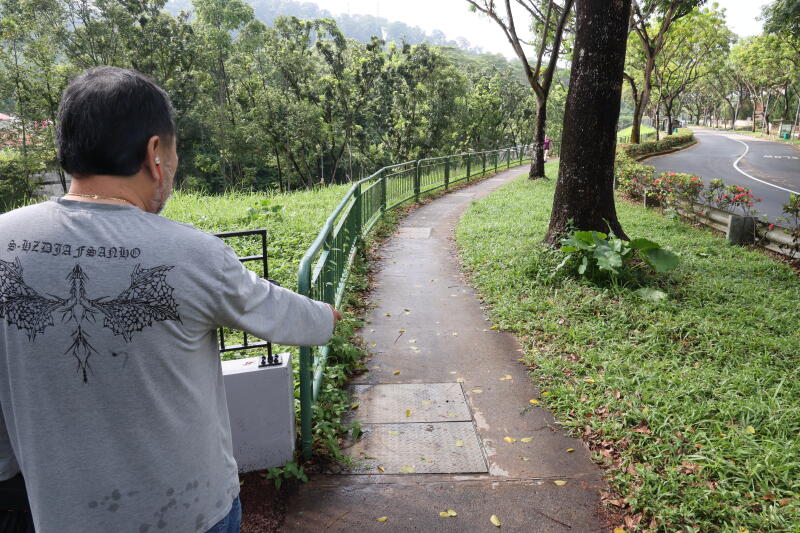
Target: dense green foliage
15,186
265,107
693,400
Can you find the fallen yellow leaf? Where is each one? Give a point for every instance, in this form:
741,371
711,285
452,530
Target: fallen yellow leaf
560,482
396,372
354,405
570,450
426,402
444,514
506,378
459,443
453,372
750,429
406,469
619,530
388,314
509,440
526,439
402,331
452,512
477,391
495,521
494,327
545,393
382,519
455,334
588,380
533,401
408,412
393,432
460,380
381,469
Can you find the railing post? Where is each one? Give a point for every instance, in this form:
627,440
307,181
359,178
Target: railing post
469,160
416,181
508,158
483,160
496,157
447,173
521,153
359,209
383,192
306,372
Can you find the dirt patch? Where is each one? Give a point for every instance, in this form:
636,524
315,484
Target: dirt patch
263,506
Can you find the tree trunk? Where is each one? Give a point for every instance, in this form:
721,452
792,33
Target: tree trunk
585,189
636,127
537,162
658,124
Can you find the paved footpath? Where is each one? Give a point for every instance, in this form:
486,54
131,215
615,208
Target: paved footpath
443,393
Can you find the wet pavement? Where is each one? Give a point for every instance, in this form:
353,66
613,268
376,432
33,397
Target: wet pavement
463,413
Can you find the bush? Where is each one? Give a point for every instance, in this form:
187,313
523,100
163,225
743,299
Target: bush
632,178
650,147
17,183
673,188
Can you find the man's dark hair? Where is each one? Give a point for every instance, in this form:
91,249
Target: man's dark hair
106,117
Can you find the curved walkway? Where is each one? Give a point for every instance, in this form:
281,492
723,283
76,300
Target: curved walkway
448,422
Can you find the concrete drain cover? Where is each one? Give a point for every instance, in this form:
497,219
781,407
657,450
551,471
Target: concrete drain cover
409,232
420,448
410,402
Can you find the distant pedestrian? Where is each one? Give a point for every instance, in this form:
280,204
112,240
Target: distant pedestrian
546,147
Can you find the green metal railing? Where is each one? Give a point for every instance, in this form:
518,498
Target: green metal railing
326,265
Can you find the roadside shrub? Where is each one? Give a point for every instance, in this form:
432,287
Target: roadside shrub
649,147
633,178
791,220
731,198
673,189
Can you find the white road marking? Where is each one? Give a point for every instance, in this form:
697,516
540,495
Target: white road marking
736,167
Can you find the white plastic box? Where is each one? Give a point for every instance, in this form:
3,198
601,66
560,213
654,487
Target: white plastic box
261,410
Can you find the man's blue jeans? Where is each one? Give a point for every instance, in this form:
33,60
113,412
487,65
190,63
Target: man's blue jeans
232,522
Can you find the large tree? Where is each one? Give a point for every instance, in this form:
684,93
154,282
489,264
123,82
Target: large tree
650,21
548,20
696,47
584,195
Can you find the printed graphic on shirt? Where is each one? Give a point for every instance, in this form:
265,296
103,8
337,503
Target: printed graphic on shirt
147,299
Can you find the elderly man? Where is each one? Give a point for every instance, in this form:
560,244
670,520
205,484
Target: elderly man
111,391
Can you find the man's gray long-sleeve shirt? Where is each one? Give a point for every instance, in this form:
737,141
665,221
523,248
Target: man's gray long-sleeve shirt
111,396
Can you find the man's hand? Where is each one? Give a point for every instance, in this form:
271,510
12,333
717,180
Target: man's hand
337,316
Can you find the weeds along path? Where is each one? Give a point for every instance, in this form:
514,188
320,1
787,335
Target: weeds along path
446,411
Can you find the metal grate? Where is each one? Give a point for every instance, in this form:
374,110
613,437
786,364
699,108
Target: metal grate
247,343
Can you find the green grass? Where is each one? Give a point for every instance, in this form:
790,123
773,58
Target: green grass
627,131
291,230
692,403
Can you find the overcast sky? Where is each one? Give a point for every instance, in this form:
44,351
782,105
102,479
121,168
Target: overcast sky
455,20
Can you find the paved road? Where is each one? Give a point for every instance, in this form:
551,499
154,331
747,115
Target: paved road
770,169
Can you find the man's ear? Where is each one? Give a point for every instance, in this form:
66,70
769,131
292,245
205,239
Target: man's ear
152,161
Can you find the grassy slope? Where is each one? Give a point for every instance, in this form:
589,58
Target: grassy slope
290,232
700,395
627,131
